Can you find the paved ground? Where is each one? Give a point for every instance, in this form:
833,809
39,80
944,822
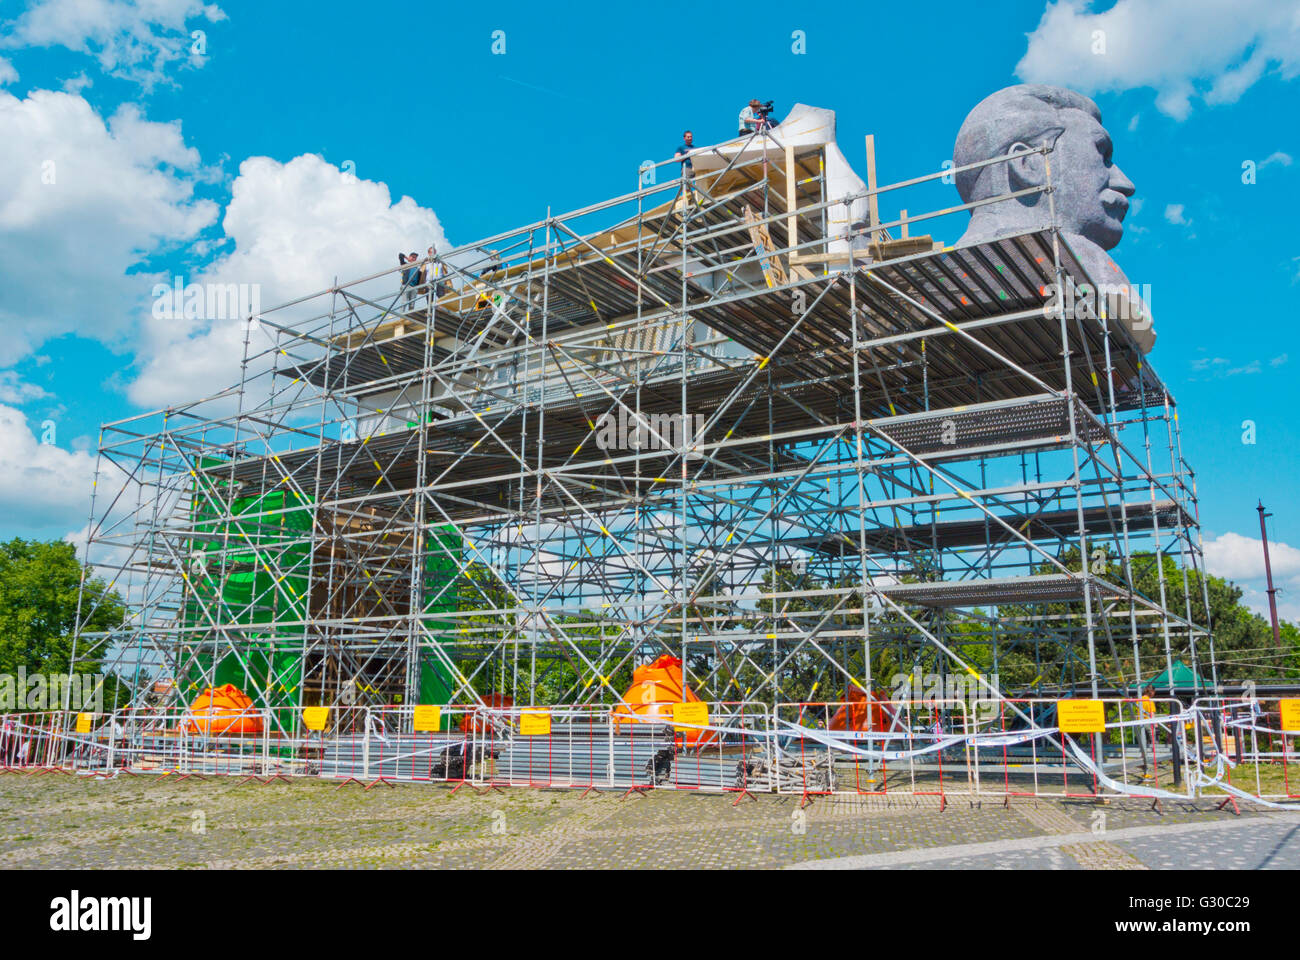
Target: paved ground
56,820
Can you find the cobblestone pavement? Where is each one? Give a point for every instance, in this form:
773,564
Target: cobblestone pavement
56,820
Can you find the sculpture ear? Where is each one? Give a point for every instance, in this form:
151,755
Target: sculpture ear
1028,171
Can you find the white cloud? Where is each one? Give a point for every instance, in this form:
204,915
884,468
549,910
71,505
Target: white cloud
13,389
1181,49
92,200
1220,368
77,84
7,72
1277,156
87,200
1242,558
1174,214
1255,598
133,39
41,485
295,227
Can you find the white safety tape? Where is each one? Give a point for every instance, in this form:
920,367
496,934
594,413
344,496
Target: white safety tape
1087,763
1222,764
824,737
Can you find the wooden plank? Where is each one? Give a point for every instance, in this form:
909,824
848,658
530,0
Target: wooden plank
873,207
791,202
885,250
759,235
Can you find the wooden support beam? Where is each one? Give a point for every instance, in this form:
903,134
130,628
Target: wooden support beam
873,207
791,201
773,272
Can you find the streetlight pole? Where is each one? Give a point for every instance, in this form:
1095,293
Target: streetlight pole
1268,574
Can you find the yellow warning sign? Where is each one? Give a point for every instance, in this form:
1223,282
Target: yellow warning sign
315,718
1290,714
83,722
535,723
1081,716
696,714
427,718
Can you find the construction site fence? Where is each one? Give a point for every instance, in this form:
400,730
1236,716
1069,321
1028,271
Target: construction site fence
1243,750
1226,748
1028,749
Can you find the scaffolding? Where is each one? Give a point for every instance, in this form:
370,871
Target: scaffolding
735,417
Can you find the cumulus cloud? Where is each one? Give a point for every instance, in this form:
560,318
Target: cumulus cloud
1174,213
1241,559
1181,49
93,201
42,486
7,72
133,39
88,199
293,228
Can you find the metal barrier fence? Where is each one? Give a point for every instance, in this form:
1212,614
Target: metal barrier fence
32,741
1221,748
1247,748
1133,746
914,747
618,748
411,744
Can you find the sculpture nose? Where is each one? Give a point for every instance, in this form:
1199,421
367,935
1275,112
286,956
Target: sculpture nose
1120,183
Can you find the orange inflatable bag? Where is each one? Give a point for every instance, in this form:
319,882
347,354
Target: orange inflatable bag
223,711
655,688
858,710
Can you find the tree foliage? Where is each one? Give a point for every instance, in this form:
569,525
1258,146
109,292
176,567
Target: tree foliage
39,583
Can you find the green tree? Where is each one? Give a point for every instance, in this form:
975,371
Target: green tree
1243,640
39,582
556,673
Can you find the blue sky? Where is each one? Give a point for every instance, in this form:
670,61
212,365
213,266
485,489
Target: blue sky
156,136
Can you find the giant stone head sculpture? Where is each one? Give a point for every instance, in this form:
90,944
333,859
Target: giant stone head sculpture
1090,192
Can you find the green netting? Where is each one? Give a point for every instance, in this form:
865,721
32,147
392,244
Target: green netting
249,565
441,570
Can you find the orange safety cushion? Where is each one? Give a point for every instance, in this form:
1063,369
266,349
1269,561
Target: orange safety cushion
655,688
858,711
223,711
470,722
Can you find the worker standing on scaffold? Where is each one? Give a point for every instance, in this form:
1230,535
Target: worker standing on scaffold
683,155
755,117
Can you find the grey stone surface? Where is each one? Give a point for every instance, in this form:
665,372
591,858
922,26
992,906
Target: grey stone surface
1267,845
61,821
